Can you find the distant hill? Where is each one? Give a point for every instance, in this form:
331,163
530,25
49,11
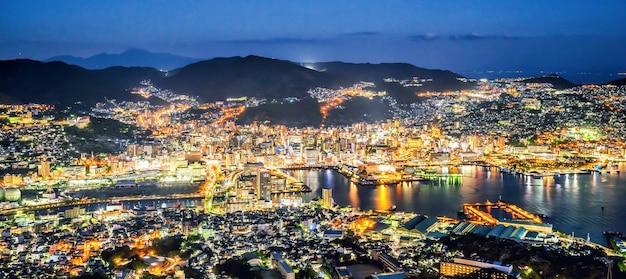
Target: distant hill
252,76
25,81
441,80
220,78
618,82
557,81
130,58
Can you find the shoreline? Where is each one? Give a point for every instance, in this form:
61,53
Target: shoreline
561,235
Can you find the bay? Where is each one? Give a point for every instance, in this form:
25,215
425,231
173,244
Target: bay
574,203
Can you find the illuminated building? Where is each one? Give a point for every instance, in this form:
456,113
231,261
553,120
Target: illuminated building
131,150
327,198
74,212
43,170
435,132
13,194
263,185
482,269
414,142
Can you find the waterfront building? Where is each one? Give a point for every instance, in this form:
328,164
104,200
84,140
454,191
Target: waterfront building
482,269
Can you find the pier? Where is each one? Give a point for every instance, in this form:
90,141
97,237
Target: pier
473,211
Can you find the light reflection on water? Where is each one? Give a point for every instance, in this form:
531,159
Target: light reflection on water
573,202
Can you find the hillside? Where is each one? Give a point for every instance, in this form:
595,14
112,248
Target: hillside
23,81
438,80
220,78
442,80
618,82
128,77
253,76
26,81
303,113
53,83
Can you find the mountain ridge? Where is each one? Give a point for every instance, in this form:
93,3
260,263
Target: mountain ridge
211,80
132,57
59,83
221,78
617,82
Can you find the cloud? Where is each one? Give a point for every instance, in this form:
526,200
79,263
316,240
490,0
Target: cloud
424,37
301,40
460,37
476,36
286,40
361,34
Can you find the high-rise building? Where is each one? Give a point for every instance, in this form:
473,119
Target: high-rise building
264,185
327,198
131,150
43,170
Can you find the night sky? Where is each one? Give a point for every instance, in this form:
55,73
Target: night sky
464,36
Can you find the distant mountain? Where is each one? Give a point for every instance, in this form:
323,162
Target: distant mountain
438,80
220,78
130,58
252,76
25,81
557,81
618,82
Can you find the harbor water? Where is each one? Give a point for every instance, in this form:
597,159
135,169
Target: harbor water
574,203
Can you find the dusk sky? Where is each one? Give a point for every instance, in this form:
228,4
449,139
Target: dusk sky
463,36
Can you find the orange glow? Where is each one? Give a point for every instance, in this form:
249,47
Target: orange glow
383,199
230,113
353,194
361,225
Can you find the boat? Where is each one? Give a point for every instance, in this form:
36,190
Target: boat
392,208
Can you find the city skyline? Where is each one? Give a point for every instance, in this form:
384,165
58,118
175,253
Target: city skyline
154,164
460,36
